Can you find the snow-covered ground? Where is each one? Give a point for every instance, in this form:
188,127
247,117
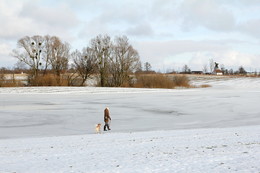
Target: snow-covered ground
204,150
51,129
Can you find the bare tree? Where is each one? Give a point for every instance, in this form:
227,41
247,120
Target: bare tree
186,69
48,44
205,68
102,48
43,52
241,70
211,65
85,63
125,60
60,53
223,69
2,77
231,71
29,52
139,67
147,66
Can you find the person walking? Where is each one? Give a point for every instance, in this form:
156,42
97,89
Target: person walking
107,119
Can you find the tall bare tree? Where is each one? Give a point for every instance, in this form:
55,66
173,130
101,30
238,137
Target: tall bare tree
186,69
147,66
241,71
102,48
205,68
211,65
124,61
48,44
29,52
60,53
42,52
85,63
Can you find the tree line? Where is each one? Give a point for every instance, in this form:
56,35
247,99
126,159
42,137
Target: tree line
210,68
112,59
50,61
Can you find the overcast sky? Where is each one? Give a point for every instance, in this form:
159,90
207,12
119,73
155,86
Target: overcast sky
166,33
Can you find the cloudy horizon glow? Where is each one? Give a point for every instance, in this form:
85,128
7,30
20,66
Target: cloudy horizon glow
168,34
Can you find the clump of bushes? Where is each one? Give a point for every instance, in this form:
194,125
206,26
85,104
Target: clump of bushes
181,81
48,80
161,81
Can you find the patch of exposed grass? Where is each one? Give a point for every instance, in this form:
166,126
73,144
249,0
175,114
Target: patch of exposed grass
205,86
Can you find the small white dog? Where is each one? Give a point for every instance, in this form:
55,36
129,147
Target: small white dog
98,126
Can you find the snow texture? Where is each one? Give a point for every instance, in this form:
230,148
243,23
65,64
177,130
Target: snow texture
51,129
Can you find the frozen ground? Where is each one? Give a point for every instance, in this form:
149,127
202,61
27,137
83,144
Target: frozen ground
54,111
50,129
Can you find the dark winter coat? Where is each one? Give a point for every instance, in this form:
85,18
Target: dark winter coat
106,115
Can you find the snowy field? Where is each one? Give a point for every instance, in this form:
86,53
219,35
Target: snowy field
51,129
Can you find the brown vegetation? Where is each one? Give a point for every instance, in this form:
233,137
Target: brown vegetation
204,86
161,81
9,82
49,80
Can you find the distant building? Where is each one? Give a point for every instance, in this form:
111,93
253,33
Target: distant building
218,72
196,72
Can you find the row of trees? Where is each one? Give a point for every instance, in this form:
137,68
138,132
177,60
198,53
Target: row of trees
212,66
212,63
239,71
113,59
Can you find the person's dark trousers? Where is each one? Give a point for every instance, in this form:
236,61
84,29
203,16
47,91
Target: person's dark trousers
106,126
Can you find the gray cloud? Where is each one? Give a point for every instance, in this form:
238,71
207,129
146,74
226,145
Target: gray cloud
251,27
12,25
31,18
61,16
143,29
119,18
208,14
173,47
5,59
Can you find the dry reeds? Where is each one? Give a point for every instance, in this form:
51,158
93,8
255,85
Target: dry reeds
49,80
205,86
161,81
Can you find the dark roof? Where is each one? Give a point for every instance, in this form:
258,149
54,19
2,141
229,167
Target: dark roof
218,71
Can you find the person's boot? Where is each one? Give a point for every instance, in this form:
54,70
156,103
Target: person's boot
105,128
